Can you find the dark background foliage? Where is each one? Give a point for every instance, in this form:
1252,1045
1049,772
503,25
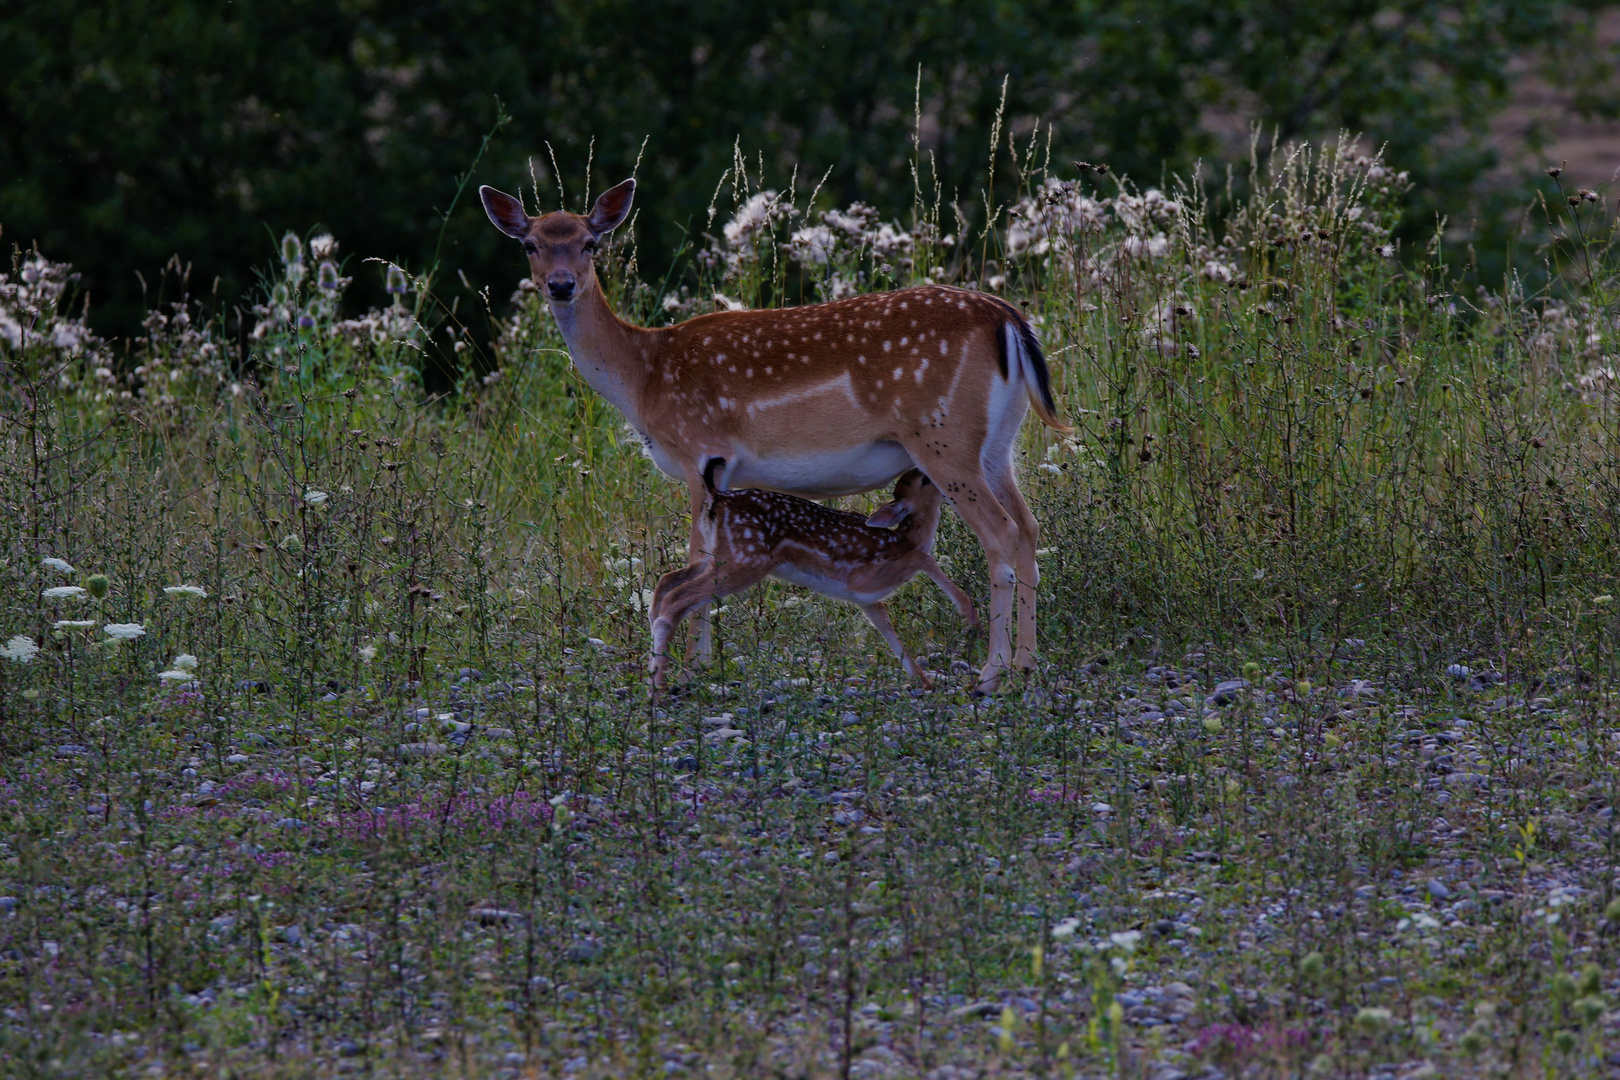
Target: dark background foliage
132,130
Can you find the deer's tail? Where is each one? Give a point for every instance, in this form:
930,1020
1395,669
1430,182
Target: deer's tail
1021,358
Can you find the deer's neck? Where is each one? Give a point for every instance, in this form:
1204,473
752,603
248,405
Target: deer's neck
920,530
614,356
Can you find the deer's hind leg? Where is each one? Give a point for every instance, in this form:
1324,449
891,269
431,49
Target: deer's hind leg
973,495
681,592
1029,575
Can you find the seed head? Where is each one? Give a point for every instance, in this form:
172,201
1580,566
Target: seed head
292,250
97,584
397,282
327,276
1555,172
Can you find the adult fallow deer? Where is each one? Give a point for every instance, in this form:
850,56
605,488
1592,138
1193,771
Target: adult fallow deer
817,401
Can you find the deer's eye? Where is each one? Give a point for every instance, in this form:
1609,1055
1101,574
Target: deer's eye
590,247
528,248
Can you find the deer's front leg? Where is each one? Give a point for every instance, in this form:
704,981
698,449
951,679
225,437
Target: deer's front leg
879,616
700,643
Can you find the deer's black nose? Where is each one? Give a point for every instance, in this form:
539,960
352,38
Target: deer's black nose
560,290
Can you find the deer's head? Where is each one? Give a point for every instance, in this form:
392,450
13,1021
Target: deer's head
914,510
559,244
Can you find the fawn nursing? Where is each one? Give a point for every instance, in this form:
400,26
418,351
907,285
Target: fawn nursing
827,399
750,534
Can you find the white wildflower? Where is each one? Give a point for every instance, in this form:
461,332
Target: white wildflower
59,565
1065,929
21,649
184,662
175,675
1125,939
323,246
188,592
125,631
315,498
726,303
62,592
73,624
368,653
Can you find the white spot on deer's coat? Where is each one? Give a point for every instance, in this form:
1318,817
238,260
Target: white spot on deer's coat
887,346
898,372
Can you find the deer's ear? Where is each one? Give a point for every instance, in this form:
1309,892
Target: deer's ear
612,207
888,515
506,212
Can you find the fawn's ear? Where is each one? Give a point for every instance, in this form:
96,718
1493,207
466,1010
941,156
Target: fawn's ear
889,515
611,208
506,212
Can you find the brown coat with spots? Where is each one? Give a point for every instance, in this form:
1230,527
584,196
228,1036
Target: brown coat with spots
750,534
823,400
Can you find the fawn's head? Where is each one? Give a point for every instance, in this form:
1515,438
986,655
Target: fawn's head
559,244
914,510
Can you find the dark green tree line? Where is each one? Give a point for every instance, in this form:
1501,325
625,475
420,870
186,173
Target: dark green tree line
131,130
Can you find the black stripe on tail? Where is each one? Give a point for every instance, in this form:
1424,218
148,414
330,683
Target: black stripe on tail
1037,359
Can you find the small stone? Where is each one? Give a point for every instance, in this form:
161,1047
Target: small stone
253,738
1101,808
288,823
1227,692
496,916
8,903
583,951
238,759
72,750
293,935
350,1048
470,673
421,749
1459,671
1438,890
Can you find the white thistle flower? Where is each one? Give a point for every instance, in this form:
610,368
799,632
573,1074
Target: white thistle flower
59,565
187,591
125,631
20,648
73,624
62,592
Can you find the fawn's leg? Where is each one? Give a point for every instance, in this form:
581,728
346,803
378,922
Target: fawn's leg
879,616
677,593
964,606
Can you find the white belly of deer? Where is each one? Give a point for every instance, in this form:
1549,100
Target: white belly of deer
831,588
818,475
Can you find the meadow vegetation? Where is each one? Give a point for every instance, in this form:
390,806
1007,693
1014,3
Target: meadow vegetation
326,744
